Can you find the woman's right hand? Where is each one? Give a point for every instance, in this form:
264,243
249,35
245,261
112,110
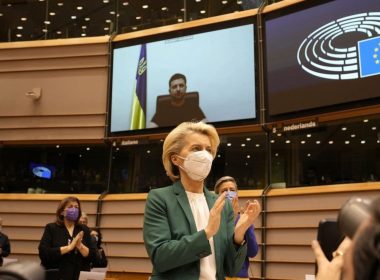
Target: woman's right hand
215,216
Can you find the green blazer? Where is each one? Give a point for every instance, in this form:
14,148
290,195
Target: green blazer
175,246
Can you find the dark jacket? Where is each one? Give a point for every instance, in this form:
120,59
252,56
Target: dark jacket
5,247
69,265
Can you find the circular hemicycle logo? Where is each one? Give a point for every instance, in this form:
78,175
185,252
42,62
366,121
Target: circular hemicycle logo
319,56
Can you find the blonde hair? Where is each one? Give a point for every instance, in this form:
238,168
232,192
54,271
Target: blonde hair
175,141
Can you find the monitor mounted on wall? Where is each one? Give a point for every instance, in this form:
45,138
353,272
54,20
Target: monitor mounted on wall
322,56
200,73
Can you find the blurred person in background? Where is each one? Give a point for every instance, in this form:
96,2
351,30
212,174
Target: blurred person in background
5,246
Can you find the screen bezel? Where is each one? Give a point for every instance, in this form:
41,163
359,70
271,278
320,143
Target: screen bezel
308,112
158,36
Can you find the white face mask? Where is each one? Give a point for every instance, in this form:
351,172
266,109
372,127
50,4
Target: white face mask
197,165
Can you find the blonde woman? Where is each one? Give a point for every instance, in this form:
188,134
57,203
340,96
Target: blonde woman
189,232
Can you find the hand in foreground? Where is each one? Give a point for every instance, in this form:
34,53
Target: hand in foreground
251,212
330,270
215,216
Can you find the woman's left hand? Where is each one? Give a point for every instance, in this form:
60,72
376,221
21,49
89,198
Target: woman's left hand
251,212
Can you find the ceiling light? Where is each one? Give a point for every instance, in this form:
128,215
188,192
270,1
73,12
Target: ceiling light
243,145
18,35
73,17
180,20
248,139
362,142
224,2
164,8
106,28
84,26
1,14
229,144
365,120
272,141
24,19
57,146
257,145
183,9
60,4
287,141
138,17
145,6
218,155
88,148
276,154
59,32
303,142
20,27
309,155
203,12
134,28
374,128
47,22
308,135
198,0
279,134
108,20
87,19
52,13
344,128
248,156
44,30
331,142
353,135
79,8
112,12
239,2
125,3
318,142
148,151
346,142
106,1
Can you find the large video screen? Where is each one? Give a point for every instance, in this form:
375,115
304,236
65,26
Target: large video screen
322,54
190,75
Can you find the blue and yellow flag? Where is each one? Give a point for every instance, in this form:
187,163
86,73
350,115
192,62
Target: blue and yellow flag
139,95
369,54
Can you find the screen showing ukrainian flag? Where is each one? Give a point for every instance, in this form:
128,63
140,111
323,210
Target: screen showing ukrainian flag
331,58
218,65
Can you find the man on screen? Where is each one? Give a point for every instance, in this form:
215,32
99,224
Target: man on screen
179,105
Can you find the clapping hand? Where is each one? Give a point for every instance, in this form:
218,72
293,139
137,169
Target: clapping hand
249,214
78,240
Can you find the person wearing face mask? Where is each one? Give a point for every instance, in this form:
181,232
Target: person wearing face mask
5,246
189,232
66,245
227,185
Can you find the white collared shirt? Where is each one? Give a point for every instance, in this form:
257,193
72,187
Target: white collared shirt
201,213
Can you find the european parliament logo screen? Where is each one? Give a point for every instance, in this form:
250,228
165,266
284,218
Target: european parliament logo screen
321,55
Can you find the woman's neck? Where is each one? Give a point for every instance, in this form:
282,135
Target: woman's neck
68,224
191,185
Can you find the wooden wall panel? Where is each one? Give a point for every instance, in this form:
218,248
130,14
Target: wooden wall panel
74,83
289,231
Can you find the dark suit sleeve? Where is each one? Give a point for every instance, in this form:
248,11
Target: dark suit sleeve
6,248
50,256
236,254
164,252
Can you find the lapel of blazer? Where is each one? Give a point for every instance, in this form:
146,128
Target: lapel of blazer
183,201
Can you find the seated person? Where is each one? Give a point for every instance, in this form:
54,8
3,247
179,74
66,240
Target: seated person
5,246
180,106
100,259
